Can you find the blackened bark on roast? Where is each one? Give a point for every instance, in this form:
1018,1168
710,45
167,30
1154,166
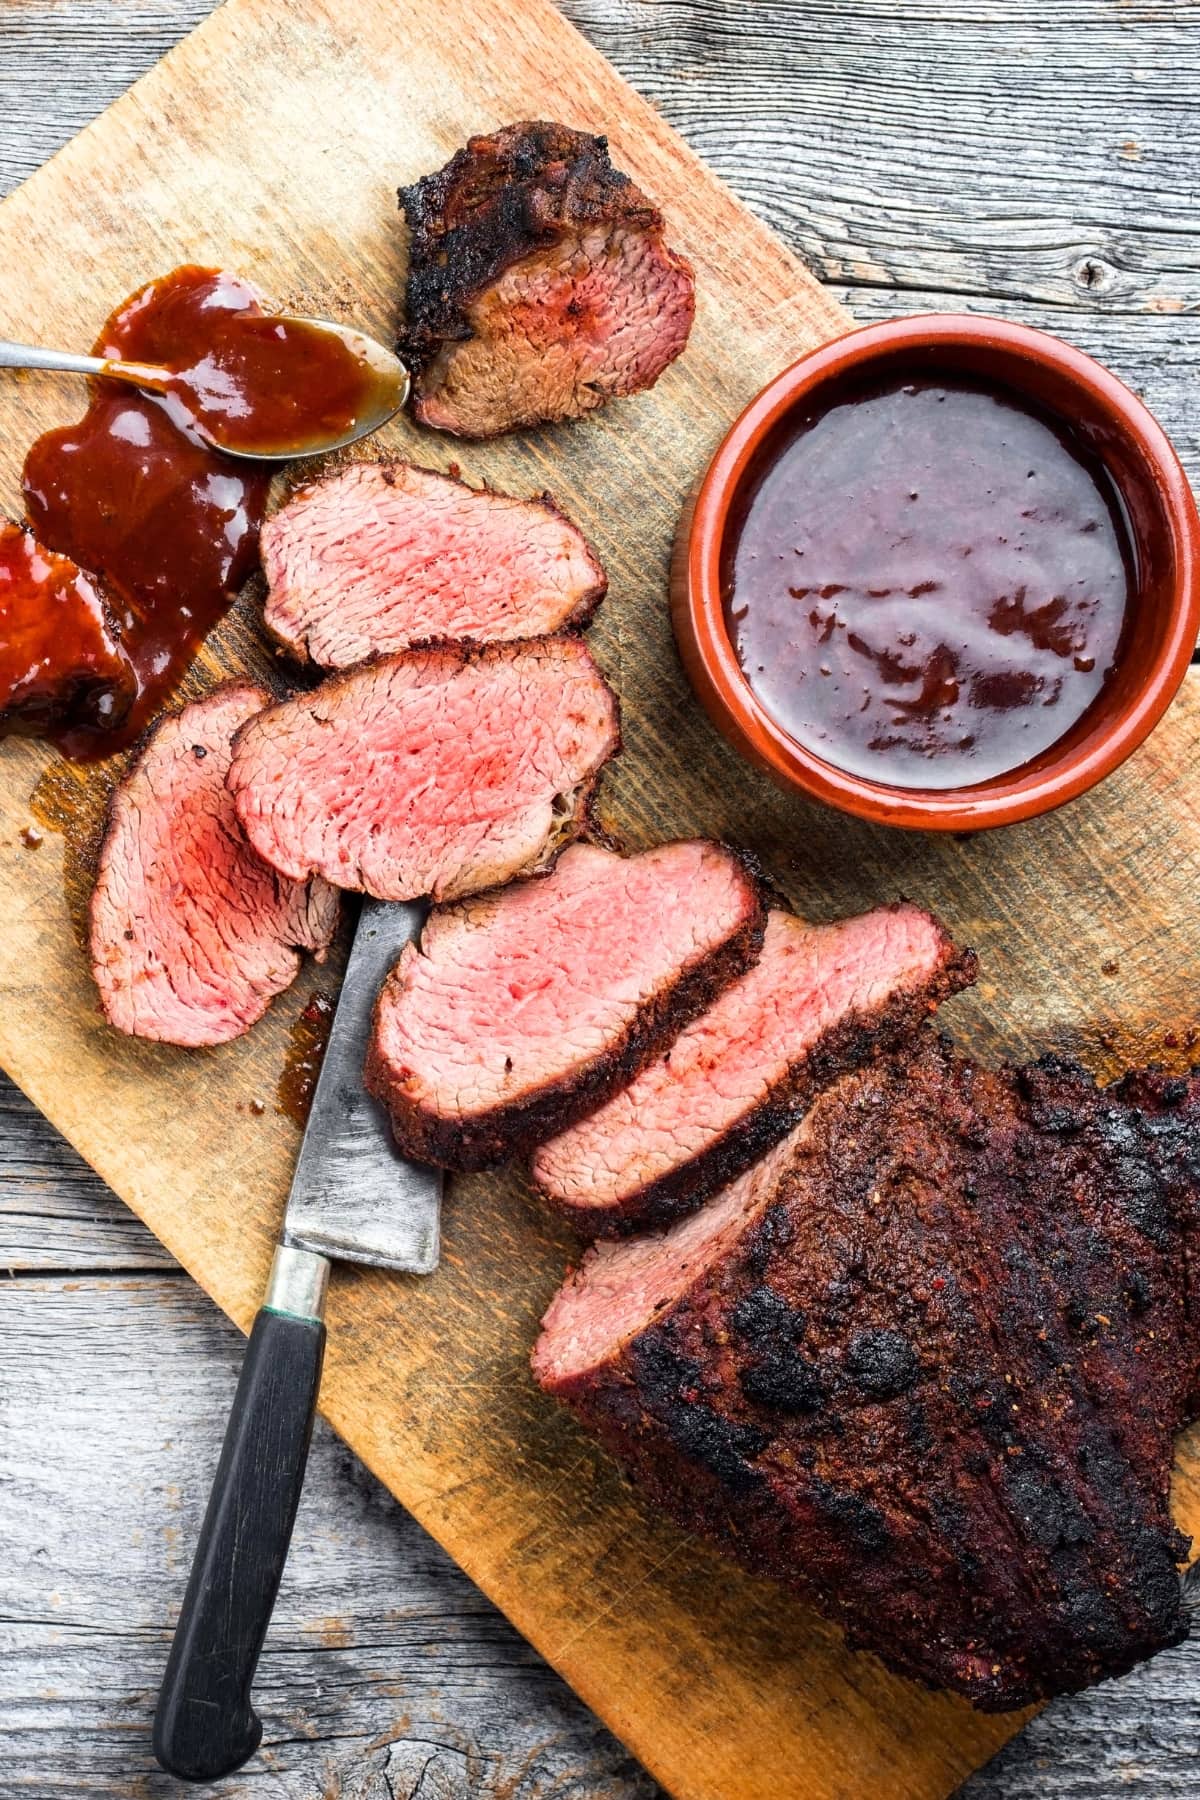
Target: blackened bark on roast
532,249
930,1373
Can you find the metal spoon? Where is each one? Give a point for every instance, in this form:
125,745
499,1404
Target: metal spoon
389,387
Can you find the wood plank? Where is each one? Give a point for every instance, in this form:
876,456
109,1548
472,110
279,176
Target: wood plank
386,1675
1044,150
424,1378
55,1213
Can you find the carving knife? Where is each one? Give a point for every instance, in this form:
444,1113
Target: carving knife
354,1198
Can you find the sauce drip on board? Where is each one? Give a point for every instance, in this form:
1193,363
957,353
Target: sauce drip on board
928,582
134,493
308,1039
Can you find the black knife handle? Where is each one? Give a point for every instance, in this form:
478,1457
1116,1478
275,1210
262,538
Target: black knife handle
205,1725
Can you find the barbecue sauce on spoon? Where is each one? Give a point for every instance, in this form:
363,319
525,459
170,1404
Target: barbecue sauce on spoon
136,496
928,582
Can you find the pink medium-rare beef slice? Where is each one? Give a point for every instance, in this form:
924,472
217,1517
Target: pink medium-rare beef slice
61,661
540,285
820,999
439,771
523,1008
381,556
923,1364
192,935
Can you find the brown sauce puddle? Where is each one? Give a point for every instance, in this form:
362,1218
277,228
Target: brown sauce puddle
308,1039
168,526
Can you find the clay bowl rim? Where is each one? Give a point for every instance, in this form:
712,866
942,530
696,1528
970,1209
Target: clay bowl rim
1053,779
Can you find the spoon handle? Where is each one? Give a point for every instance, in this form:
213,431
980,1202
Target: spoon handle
28,356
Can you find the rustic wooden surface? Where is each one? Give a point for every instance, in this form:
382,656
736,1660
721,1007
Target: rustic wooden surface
824,102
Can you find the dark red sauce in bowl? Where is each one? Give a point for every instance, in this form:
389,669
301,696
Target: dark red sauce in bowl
996,645
928,580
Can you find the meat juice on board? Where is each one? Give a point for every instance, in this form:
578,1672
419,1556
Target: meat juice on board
928,581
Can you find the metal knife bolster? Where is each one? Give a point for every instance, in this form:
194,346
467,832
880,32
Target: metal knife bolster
353,1196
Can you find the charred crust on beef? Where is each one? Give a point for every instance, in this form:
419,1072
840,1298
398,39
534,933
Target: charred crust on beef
670,1384
1001,1528
783,1379
847,1512
542,199
763,1316
882,1363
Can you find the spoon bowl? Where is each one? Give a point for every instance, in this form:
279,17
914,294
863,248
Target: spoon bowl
304,387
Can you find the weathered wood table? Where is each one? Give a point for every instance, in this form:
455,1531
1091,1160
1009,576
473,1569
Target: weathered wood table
1035,158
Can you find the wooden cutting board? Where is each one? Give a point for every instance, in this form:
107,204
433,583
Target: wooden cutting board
272,141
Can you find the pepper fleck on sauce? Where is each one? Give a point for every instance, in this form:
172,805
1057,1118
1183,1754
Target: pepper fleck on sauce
928,582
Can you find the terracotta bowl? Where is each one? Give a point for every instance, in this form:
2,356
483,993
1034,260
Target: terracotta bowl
1163,522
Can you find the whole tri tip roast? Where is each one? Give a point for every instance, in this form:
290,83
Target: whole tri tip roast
192,935
821,999
380,556
522,1009
437,772
539,283
924,1363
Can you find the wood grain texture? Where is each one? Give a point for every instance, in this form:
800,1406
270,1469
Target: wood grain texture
634,805
385,1677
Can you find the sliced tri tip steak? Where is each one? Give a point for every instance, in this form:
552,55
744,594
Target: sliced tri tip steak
381,556
192,935
540,283
437,772
521,1009
821,999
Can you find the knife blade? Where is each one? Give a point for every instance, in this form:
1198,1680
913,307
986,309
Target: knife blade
353,1198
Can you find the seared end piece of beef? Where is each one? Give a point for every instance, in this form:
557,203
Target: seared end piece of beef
61,661
924,1363
820,1000
381,556
539,284
440,771
191,935
524,1008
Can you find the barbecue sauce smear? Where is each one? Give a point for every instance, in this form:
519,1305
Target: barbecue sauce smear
133,493
928,583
